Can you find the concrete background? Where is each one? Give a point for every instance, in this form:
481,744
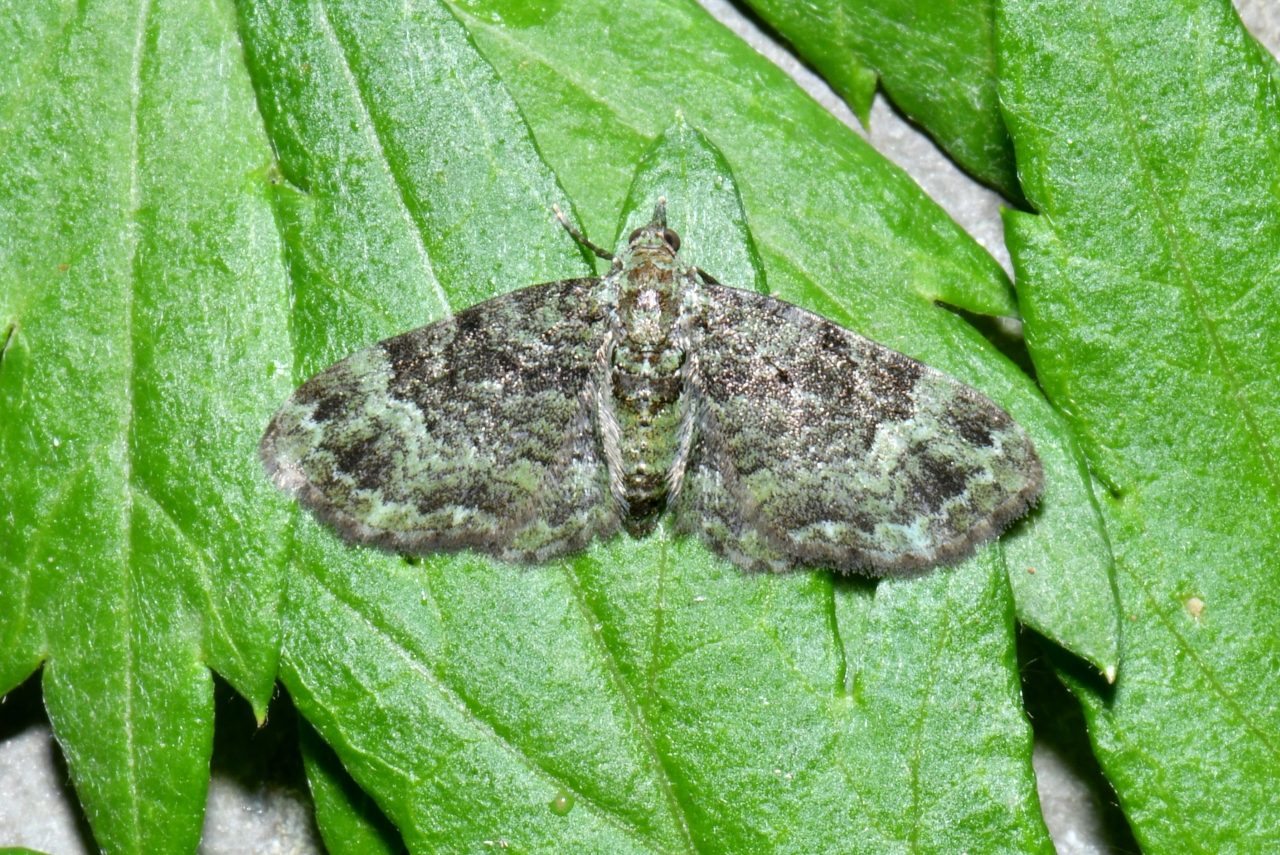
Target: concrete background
257,795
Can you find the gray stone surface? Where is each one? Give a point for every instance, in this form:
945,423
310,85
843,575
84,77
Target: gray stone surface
1262,17
38,808
254,806
257,820
1069,804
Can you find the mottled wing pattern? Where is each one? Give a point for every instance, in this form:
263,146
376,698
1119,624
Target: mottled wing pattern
817,446
474,432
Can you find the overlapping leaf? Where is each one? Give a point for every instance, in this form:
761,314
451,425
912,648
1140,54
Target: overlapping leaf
935,58
1149,139
664,699
143,309
475,702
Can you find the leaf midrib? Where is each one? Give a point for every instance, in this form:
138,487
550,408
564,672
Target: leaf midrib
1170,232
133,237
640,714
918,726
484,728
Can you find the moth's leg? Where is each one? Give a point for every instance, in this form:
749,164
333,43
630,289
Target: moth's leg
706,277
581,238
600,392
687,432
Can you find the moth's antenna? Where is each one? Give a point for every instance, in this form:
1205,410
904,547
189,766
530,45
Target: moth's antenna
580,238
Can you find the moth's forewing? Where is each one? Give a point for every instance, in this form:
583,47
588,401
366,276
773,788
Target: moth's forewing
818,446
474,432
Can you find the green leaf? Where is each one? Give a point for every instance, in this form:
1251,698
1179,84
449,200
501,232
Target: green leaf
646,696
469,697
143,312
840,231
834,39
1149,140
935,59
140,543
349,820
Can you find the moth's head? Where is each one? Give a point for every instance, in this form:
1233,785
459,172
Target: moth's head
655,237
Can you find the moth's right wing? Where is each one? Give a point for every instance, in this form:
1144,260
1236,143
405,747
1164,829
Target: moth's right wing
817,446
478,431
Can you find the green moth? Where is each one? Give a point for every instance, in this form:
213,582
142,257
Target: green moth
529,424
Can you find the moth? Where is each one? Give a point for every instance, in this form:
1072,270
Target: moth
527,425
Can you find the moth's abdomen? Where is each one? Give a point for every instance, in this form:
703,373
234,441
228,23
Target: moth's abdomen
647,407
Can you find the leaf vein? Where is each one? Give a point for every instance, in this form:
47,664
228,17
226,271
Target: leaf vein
203,576
374,135
917,727
638,713
1174,244
487,730
1207,672
130,403
503,34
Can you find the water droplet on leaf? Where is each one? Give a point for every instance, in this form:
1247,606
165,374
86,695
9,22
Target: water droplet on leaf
562,803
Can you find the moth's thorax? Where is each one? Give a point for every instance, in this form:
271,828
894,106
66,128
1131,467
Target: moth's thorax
648,309
648,355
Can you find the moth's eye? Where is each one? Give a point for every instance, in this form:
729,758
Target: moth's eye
635,235
672,239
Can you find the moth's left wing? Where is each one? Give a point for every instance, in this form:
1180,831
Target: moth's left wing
817,446
478,431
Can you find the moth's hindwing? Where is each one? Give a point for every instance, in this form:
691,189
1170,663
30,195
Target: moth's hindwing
476,431
818,446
